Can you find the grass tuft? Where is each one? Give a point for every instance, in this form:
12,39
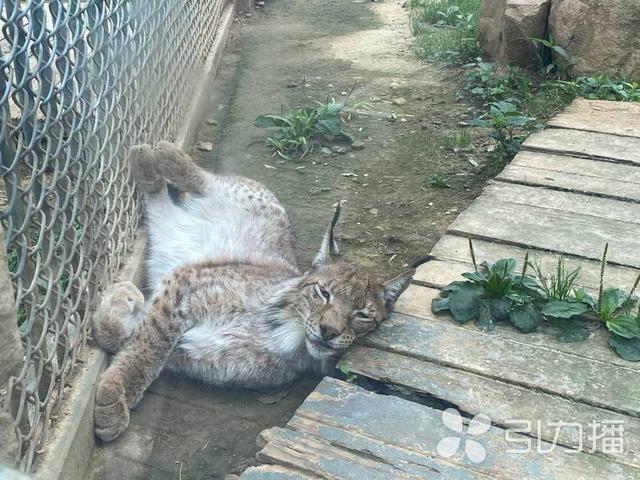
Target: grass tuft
437,181
445,29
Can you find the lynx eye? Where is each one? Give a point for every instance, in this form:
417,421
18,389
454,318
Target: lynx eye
323,293
363,316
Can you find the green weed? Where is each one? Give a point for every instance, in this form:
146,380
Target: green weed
546,51
486,83
490,294
559,285
509,126
602,87
350,376
495,292
437,181
457,141
297,130
445,29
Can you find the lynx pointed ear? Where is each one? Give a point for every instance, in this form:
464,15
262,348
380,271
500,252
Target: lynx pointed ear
329,247
394,287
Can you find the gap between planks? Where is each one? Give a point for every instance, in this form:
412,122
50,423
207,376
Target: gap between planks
590,145
341,428
602,116
503,402
572,174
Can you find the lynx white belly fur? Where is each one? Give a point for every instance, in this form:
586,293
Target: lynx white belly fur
229,304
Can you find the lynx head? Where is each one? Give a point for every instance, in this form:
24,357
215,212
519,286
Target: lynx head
340,301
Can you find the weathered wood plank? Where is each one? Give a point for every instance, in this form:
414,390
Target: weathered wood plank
580,175
416,301
327,459
618,118
402,435
586,144
563,201
552,230
504,403
275,472
452,252
585,205
528,362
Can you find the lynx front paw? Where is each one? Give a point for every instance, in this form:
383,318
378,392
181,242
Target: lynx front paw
111,414
116,316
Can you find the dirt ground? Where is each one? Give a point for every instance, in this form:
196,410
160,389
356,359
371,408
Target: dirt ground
290,53
390,217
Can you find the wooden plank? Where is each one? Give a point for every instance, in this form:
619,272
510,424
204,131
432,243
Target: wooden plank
551,230
504,403
416,301
525,360
340,428
618,118
452,252
275,472
585,205
586,144
613,180
327,459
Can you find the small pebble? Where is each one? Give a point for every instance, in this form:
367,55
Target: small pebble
339,149
357,145
399,101
204,146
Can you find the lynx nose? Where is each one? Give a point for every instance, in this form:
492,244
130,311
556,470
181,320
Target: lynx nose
328,332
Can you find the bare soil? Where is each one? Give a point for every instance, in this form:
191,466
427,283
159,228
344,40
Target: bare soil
292,53
390,217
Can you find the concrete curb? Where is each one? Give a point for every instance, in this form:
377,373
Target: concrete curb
69,450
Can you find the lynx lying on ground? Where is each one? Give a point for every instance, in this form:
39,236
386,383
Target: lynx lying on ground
230,306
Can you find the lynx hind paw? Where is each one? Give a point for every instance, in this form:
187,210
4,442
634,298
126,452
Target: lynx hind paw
111,413
115,318
178,168
145,169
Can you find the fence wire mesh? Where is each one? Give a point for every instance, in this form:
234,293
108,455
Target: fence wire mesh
80,82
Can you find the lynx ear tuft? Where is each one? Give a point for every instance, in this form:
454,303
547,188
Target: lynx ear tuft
329,247
393,288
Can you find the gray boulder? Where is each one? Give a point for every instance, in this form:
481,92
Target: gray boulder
505,25
600,35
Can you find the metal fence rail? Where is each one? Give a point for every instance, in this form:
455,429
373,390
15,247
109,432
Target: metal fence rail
80,82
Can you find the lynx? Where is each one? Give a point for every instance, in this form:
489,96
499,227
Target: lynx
229,305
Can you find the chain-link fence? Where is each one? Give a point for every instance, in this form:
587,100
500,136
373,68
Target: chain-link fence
80,82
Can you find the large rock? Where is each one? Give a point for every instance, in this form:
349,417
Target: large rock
600,35
504,25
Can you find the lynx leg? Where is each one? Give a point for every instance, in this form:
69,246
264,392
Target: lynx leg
145,170
133,369
117,315
179,170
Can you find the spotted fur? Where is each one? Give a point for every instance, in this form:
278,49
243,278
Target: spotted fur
229,304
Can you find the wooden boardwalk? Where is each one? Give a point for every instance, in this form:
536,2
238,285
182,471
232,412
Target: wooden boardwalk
574,187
